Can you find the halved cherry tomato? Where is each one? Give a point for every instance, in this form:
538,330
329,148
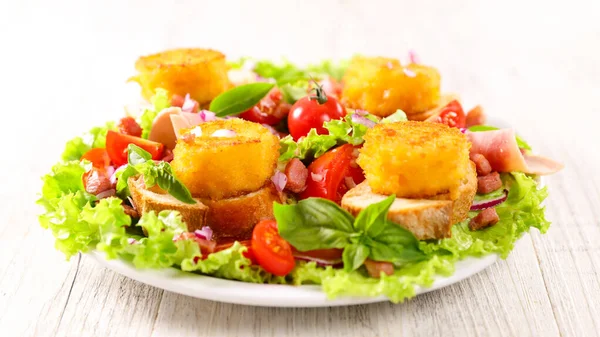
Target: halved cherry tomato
270,110
328,173
247,254
128,126
311,112
272,252
452,115
116,146
98,156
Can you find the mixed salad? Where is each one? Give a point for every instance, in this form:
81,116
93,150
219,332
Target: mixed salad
360,176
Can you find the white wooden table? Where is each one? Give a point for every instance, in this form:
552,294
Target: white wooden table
536,64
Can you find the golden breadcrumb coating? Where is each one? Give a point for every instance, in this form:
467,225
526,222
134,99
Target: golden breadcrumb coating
222,167
382,85
202,73
415,159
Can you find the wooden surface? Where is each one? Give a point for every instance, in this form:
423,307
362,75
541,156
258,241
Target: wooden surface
536,64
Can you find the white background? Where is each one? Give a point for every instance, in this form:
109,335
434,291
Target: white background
63,67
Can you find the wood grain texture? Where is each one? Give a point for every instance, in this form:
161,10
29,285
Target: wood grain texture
533,63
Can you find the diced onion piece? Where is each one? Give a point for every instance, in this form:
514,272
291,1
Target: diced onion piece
205,233
188,104
483,204
356,118
279,179
316,177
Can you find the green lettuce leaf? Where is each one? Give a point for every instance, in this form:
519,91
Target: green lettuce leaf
521,211
78,146
159,101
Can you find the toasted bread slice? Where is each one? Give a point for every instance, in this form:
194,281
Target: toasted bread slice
147,200
232,218
426,218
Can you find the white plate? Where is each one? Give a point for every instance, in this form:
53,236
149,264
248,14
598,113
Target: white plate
267,295
270,295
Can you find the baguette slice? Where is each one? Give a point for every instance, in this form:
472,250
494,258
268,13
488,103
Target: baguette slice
426,218
231,218
147,200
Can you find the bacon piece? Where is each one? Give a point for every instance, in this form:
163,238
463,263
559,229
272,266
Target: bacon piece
487,217
482,165
296,173
374,268
128,126
500,148
131,211
475,116
489,183
96,181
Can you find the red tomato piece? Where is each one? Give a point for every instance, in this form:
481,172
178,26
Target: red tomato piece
328,173
254,114
452,115
98,156
116,146
272,252
311,112
270,110
128,126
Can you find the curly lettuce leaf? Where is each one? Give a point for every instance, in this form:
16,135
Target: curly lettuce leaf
159,101
78,146
397,287
522,210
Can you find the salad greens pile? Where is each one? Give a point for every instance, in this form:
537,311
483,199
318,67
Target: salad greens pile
81,222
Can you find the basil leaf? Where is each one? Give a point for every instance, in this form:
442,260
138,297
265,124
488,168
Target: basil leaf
395,253
393,233
167,181
373,219
291,93
314,223
137,155
354,256
520,141
240,99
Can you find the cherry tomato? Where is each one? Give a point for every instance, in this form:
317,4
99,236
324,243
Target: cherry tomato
128,126
328,173
272,252
312,111
116,146
98,156
247,254
270,110
452,115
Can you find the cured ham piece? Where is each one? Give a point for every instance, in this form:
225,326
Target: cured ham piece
500,148
166,126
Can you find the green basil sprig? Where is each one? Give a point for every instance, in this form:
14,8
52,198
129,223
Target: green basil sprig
317,223
140,162
240,99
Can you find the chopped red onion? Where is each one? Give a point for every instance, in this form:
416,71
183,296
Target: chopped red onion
188,104
361,112
279,179
413,57
207,116
131,241
362,120
320,262
409,72
205,233
349,182
106,194
483,204
316,177
225,133
463,130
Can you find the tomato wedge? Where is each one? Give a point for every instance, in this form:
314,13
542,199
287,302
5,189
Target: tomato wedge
452,115
329,173
272,252
116,147
98,156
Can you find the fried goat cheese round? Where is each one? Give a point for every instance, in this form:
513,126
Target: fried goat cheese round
415,159
225,158
202,73
382,85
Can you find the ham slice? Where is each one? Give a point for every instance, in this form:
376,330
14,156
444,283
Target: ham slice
500,148
166,125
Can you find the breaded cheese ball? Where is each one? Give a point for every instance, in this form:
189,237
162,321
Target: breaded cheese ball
415,159
382,85
202,73
225,158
